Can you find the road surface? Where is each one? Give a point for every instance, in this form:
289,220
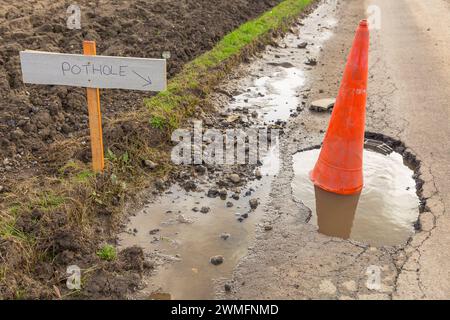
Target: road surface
413,48
409,94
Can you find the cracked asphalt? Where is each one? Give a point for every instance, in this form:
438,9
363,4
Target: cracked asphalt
408,99
413,52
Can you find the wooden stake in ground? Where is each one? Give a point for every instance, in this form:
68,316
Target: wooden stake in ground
95,116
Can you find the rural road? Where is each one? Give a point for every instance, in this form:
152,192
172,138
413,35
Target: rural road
408,99
412,48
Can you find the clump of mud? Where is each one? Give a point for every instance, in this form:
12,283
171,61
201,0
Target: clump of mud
65,245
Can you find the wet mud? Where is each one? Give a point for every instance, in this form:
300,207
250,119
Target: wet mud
195,239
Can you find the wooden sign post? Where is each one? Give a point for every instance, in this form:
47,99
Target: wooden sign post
95,116
93,72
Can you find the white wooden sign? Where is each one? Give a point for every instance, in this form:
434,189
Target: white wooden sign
93,71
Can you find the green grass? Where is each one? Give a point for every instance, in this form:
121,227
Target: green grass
84,175
235,41
157,122
49,201
8,228
9,231
14,209
107,253
20,294
2,273
181,91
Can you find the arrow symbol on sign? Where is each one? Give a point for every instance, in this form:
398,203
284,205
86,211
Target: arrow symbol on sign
147,80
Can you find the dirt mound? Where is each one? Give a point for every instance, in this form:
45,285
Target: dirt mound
33,117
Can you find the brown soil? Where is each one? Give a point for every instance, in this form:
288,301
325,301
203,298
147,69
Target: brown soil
32,117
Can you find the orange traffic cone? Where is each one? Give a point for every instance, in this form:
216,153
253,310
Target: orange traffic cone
339,168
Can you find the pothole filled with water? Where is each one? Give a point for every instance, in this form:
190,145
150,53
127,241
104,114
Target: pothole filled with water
386,209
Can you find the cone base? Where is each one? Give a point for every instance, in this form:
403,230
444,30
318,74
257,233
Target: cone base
345,192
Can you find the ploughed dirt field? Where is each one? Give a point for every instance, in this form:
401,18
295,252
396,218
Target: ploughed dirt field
33,117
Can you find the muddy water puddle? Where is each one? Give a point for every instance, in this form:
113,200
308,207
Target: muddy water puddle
387,208
274,97
182,239
277,78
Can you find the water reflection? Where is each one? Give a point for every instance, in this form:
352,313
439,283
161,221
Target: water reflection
335,213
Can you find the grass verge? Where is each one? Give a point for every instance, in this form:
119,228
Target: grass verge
188,88
66,216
